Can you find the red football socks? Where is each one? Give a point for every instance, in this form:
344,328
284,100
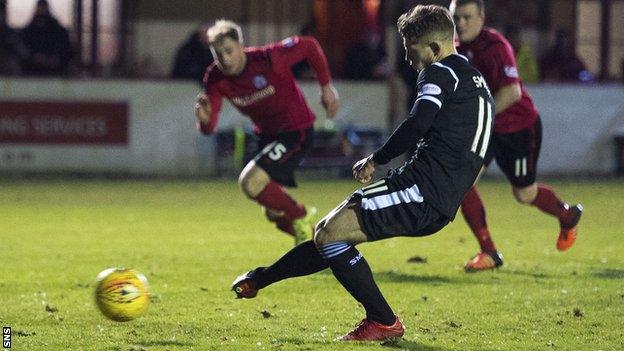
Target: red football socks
273,196
282,223
474,213
547,201
286,225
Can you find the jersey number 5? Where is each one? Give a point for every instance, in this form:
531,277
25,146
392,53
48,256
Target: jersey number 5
275,150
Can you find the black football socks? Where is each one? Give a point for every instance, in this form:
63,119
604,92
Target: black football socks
303,259
354,273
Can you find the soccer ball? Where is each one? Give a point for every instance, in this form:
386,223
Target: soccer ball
122,294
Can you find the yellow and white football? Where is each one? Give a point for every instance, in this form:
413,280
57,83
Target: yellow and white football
122,294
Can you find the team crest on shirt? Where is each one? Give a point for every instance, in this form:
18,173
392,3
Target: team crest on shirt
288,42
511,71
259,81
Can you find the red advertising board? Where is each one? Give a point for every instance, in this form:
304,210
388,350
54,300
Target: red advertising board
63,122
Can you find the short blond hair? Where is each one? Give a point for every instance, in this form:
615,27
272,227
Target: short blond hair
225,29
427,21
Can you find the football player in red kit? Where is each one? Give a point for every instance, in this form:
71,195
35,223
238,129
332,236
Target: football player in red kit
517,134
259,83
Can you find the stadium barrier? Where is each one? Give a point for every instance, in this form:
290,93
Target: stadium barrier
619,154
148,127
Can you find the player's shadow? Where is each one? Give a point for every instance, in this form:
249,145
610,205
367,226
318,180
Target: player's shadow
404,344
397,277
534,274
150,343
609,273
400,344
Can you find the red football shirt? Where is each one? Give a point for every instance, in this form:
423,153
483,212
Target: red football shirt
266,90
494,57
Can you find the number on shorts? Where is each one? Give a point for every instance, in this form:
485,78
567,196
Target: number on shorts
275,151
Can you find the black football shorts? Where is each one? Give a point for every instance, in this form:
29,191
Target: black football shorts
516,154
281,154
386,209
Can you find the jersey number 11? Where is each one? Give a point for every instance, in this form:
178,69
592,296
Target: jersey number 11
482,136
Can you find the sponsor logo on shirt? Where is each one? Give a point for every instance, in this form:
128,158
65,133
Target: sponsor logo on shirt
288,42
480,83
430,89
246,100
511,71
259,81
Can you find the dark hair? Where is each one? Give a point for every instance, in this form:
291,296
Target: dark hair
426,20
479,3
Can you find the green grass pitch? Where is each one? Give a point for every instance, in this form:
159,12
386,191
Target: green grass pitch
192,238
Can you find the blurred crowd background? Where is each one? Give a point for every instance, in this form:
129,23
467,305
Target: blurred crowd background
555,40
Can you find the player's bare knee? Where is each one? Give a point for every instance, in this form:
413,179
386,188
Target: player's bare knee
253,180
327,231
320,224
522,199
323,233
525,195
244,181
320,232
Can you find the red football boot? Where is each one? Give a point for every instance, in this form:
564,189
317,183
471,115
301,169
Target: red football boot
567,234
484,261
245,286
369,330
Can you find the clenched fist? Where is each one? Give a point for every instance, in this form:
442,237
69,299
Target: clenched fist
203,108
363,169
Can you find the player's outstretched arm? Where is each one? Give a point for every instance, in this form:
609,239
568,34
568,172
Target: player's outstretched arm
295,49
330,100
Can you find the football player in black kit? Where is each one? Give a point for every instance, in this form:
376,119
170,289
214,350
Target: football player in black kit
449,126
